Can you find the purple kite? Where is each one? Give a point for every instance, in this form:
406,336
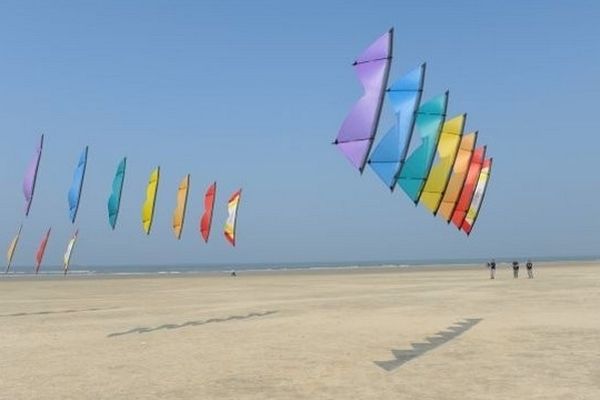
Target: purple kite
31,176
358,130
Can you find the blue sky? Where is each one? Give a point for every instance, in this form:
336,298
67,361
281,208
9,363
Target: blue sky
251,94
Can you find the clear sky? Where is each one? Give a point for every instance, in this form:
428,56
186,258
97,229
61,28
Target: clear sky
251,94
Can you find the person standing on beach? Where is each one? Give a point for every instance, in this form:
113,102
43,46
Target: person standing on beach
492,266
529,269
515,266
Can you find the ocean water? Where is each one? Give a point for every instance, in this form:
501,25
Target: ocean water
227,268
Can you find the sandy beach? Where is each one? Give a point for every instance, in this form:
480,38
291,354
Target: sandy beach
326,334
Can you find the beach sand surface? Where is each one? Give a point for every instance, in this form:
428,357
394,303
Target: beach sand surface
304,335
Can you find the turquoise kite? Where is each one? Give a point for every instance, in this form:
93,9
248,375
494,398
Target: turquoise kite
428,124
114,201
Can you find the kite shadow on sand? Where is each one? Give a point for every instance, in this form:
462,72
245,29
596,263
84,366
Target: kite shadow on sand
192,323
418,349
25,314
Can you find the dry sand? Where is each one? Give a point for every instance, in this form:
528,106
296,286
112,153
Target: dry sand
312,335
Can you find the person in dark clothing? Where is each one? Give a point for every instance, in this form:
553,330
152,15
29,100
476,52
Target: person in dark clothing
492,267
515,265
529,269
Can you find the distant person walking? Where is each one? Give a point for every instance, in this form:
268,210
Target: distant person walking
515,265
529,269
492,267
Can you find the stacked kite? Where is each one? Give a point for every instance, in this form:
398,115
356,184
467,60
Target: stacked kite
428,156
114,204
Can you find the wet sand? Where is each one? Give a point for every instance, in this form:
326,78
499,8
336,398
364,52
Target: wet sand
305,335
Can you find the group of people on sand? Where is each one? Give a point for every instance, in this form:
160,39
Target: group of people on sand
515,266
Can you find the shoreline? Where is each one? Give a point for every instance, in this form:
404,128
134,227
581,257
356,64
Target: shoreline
268,271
